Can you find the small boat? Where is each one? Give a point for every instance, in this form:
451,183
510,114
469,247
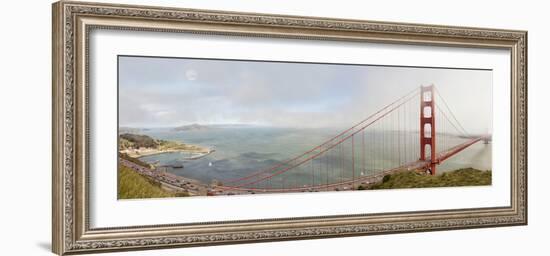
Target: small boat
209,163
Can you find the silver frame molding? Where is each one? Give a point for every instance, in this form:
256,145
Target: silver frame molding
72,22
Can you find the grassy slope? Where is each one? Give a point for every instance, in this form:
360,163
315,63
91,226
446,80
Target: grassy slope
461,177
132,185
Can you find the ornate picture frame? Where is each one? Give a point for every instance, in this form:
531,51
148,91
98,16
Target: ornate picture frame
72,24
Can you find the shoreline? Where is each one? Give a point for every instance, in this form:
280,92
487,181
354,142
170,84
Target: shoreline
140,145
136,153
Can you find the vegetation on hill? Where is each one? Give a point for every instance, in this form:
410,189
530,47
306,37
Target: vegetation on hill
411,179
132,185
136,141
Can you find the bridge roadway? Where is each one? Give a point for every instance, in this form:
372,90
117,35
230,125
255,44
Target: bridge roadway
442,156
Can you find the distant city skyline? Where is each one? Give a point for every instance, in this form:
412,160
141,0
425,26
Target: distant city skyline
169,92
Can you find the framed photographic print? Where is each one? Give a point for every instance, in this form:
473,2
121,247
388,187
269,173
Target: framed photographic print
179,127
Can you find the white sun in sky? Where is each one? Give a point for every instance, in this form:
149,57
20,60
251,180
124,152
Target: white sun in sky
191,74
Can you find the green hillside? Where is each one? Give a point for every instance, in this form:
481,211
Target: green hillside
132,185
137,141
411,179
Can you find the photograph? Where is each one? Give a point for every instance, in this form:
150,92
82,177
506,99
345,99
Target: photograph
221,127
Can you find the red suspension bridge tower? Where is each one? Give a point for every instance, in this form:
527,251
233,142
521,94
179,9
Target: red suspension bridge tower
427,126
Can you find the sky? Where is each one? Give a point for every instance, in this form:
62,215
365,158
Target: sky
168,92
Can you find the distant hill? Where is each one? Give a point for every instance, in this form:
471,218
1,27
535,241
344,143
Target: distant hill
137,141
124,129
191,127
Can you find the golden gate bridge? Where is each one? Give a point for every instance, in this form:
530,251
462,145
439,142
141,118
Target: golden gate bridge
403,135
